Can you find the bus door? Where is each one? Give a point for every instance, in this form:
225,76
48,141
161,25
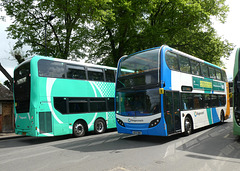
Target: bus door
172,111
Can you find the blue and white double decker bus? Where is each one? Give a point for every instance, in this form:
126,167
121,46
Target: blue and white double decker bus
162,91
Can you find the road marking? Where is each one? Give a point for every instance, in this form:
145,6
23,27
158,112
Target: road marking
111,140
96,143
119,169
170,150
29,156
226,136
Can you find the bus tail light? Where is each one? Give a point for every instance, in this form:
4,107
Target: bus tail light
120,122
154,122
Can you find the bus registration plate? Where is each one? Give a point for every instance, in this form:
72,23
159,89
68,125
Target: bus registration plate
137,132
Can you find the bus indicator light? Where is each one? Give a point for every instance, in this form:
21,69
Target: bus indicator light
161,91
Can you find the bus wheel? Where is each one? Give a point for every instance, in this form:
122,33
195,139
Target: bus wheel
222,117
99,126
79,129
188,126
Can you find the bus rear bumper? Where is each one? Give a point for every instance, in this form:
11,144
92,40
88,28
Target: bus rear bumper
25,132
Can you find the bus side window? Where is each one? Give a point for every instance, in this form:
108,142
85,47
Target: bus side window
60,104
187,101
198,101
222,100
204,69
76,72
78,105
218,74
212,73
214,100
195,67
110,104
95,74
207,101
110,75
224,76
172,60
97,105
51,69
184,64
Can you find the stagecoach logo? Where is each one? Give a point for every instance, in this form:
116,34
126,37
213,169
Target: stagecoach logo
22,117
135,120
198,113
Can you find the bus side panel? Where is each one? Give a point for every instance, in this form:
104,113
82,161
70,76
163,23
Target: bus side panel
58,125
215,115
203,117
79,88
111,121
236,127
227,113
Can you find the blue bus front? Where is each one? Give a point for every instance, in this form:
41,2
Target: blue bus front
139,101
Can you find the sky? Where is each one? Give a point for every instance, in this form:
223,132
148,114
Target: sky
229,30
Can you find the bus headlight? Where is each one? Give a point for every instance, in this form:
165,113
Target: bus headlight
154,122
120,122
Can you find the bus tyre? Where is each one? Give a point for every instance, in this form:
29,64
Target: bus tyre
188,126
222,117
99,126
79,129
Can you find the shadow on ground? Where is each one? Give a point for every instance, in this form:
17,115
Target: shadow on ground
218,141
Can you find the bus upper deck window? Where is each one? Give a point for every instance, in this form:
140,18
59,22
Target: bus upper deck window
172,61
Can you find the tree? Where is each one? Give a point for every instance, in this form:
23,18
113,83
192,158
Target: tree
183,24
63,22
108,29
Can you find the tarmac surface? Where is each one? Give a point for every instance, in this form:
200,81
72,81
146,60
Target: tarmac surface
8,135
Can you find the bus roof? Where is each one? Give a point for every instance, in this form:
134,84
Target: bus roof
68,62
180,53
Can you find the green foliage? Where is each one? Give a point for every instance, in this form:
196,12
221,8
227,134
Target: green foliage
105,30
18,54
183,24
64,20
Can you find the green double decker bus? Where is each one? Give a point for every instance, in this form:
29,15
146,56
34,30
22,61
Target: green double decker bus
58,97
236,94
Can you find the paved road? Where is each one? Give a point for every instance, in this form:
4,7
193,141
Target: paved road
211,148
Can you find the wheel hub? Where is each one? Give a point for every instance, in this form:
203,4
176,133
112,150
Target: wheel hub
79,128
100,127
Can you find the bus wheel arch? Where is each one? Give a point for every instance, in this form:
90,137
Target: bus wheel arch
222,116
188,125
100,125
79,128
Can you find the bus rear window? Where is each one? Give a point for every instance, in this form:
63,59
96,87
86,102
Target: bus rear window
22,83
